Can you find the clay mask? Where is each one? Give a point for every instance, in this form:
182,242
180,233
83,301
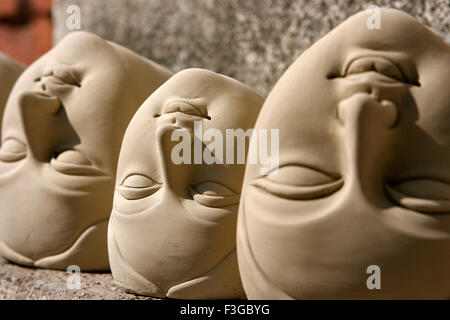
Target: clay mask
172,230
10,70
62,130
364,176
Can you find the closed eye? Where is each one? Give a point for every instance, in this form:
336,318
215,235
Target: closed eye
213,194
297,182
12,150
422,195
137,186
73,162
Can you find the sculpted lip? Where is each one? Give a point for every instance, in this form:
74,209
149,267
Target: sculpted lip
377,67
186,107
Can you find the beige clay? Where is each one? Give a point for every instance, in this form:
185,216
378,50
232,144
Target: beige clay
62,130
364,176
173,227
10,70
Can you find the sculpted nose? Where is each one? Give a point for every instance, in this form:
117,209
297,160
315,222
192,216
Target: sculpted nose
366,127
363,112
39,103
174,173
44,125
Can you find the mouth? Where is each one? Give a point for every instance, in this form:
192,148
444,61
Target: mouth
186,108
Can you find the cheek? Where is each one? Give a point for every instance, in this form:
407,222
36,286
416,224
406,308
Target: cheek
27,206
289,233
182,246
330,240
136,206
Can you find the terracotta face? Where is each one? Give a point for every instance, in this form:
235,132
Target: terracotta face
10,70
172,229
61,137
364,175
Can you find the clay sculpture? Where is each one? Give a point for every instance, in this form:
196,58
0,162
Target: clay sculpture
172,231
363,183
62,130
10,70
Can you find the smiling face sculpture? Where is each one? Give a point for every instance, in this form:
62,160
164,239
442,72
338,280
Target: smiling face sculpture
173,227
364,176
10,70
62,130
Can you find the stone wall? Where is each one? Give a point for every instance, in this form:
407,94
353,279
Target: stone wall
251,40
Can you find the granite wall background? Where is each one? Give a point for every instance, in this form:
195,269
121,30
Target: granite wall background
251,40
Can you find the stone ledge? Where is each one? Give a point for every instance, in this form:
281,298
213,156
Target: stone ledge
20,283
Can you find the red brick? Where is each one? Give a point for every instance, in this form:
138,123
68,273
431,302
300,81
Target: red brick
9,8
41,6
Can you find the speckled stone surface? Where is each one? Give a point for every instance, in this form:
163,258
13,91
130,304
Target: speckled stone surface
253,40
19,283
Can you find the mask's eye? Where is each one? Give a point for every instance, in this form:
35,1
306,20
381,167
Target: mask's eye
138,186
72,156
212,194
298,183
379,65
12,150
422,195
73,162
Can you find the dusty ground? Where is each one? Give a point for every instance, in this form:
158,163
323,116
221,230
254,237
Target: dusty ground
19,283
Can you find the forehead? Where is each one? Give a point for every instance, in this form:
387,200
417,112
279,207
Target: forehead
80,51
398,31
218,94
198,84
82,47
